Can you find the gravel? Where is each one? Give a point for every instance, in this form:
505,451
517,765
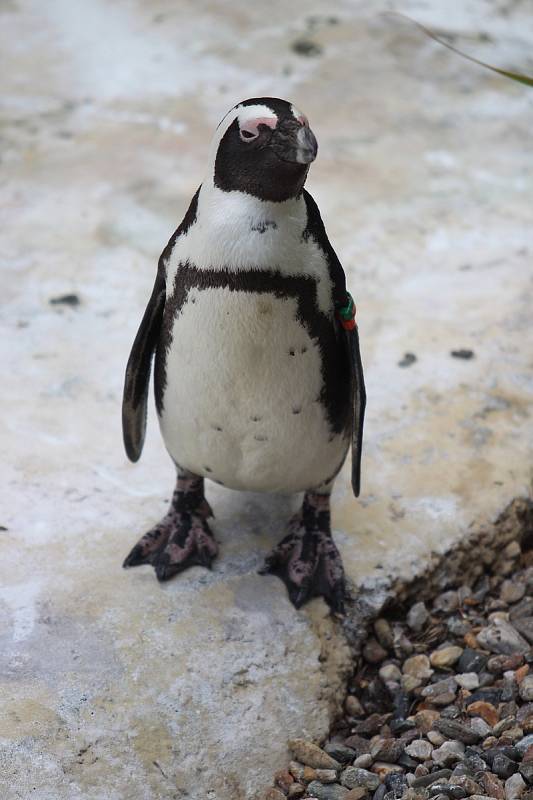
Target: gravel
440,704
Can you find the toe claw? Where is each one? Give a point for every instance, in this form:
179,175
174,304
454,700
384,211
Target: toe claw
136,557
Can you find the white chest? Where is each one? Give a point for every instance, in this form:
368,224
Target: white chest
241,403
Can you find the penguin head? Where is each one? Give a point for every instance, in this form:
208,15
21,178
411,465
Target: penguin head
263,147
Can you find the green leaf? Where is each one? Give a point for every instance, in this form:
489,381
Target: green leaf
514,76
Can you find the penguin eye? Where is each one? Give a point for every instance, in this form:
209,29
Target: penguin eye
248,136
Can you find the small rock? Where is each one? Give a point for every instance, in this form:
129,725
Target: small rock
311,755
370,725
492,785
388,750
373,652
357,793
445,656
380,792
364,762
447,790
473,761
306,47
480,726
418,667
514,787
484,710
384,633
522,609
499,664
524,625
71,300
284,779
468,680
296,790
448,753
309,774
467,783
524,744
358,744
322,791
446,686
526,770
425,719
340,752
503,725
457,730
419,749
354,776
384,768
436,738
503,766
512,591
410,683
433,777
526,688
326,775
501,637
418,616
471,660
353,706
447,602
390,673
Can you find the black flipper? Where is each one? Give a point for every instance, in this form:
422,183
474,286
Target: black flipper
137,381
315,228
358,400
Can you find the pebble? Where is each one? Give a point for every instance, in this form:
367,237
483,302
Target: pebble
373,652
322,791
384,768
424,720
418,667
447,602
387,749
274,794
503,766
410,683
354,776
525,743
448,753
448,790
326,775
446,686
526,770
501,637
471,660
493,785
365,761
514,787
353,706
524,625
467,783
417,617
526,688
357,793
284,779
499,664
384,633
426,780
370,725
480,726
457,731
390,673
340,752
436,738
311,755
485,710
468,680
512,591
445,656
296,790
419,749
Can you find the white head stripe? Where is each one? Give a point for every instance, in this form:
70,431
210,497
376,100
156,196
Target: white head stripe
242,113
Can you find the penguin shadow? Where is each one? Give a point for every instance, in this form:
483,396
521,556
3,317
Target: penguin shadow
247,525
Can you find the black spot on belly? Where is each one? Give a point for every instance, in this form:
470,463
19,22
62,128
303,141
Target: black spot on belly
262,227
208,469
261,438
217,428
296,409
256,419
292,352
303,350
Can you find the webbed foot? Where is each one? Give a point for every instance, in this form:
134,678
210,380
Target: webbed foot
307,559
182,538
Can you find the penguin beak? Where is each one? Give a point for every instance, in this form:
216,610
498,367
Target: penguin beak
294,143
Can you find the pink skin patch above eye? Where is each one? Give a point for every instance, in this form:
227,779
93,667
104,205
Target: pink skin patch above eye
252,125
302,119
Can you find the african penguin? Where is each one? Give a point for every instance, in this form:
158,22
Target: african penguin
258,377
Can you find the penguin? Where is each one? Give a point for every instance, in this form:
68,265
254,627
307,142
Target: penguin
257,370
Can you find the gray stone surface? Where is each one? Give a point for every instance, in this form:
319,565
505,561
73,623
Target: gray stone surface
116,687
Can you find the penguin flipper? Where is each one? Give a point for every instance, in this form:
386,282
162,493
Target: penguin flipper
358,401
137,380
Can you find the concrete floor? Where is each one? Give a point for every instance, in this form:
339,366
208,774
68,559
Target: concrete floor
115,687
